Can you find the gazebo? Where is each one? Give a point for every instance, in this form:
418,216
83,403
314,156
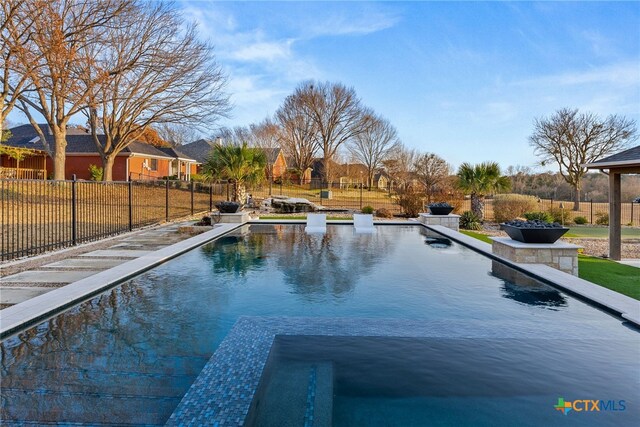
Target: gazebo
625,162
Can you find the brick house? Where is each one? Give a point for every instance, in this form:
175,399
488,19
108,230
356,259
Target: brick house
137,161
200,149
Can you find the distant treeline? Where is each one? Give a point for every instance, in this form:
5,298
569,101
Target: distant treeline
548,185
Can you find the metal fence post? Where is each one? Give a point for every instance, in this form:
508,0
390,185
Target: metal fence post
631,213
192,188
591,209
130,185
74,211
360,196
166,200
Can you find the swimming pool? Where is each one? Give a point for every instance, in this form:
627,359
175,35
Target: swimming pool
129,355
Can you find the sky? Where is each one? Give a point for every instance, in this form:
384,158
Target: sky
464,80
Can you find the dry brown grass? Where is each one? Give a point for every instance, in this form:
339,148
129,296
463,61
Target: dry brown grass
37,215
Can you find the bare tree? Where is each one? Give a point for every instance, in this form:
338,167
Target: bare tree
399,165
15,31
373,145
297,134
236,135
571,139
157,71
265,134
177,134
336,112
52,60
432,171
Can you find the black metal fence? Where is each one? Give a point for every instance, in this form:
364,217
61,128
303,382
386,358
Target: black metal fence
351,195
593,212
37,216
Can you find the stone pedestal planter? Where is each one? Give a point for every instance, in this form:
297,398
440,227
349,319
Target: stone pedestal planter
560,255
449,221
234,218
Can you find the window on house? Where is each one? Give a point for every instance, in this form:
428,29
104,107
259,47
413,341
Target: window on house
153,164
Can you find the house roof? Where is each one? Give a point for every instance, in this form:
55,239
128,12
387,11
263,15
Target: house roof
272,154
626,158
79,141
174,153
198,150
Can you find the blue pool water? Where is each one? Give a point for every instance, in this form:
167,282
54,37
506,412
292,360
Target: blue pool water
129,355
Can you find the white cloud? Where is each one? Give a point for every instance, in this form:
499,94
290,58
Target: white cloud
264,51
622,74
340,24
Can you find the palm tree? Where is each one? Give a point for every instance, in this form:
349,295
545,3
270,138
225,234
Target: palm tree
479,180
238,164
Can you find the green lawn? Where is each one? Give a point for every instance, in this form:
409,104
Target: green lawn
477,235
609,274
602,232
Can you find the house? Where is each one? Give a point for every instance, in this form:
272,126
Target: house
350,175
136,161
200,149
381,180
276,163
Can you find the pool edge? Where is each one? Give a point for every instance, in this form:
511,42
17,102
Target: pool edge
35,310
622,305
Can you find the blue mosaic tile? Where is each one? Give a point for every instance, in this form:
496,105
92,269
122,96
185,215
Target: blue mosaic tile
223,391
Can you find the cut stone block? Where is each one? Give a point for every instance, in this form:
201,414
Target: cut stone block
117,253
17,295
95,263
450,221
48,276
560,255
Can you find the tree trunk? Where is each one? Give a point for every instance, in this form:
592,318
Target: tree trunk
107,167
477,206
59,154
576,198
325,167
240,193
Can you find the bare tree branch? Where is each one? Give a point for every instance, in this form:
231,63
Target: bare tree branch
372,146
571,139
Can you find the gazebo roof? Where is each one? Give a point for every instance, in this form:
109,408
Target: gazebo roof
623,159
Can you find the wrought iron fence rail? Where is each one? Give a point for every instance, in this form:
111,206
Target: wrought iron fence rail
38,216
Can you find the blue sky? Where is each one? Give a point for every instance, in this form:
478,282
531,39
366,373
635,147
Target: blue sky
463,80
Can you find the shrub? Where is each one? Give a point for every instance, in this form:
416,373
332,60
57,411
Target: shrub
96,172
197,177
367,210
560,215
509,206
538,215
411,202
602,218
470,221
384,213
580,220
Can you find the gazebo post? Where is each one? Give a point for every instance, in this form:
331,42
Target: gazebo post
615,226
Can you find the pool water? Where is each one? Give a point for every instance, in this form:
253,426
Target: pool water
128,355
401,381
